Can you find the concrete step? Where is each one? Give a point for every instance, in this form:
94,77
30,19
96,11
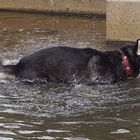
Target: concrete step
69,6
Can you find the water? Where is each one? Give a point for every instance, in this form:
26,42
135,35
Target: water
46,111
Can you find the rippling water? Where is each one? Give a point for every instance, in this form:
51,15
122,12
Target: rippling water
48,111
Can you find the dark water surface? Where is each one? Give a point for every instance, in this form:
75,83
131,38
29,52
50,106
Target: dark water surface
48,111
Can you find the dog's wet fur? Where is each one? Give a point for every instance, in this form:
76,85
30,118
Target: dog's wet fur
86,65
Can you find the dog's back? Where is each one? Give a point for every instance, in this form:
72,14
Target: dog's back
58,64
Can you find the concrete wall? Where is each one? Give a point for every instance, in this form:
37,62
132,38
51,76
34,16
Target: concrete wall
122,16
70,6
123,20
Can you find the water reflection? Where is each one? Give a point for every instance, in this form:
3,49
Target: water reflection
41,110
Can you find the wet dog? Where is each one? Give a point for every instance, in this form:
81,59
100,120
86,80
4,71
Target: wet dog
65,64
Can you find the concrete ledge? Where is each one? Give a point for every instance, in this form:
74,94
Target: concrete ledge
69,6
123,20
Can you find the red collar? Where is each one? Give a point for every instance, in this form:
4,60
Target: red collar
126,64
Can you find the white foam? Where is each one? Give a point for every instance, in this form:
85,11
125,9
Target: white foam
76,138
5,76
5,62
28,131
8,62
6,132
5,138
56,131
46,138
120,131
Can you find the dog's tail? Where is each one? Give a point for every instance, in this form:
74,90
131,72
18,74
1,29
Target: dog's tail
7,68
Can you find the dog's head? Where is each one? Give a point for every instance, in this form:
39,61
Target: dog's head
133,54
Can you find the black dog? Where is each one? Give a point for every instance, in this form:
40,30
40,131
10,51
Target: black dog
65,64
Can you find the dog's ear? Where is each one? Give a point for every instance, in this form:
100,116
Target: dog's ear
137,47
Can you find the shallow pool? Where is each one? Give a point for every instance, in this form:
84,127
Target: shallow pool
48,111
